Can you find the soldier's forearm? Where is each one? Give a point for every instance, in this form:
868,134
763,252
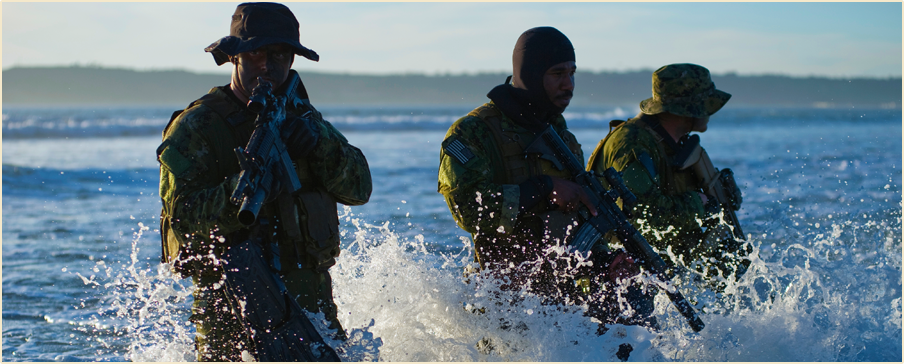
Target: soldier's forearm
205,212
344,172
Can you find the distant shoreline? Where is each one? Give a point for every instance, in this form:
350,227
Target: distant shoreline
78,87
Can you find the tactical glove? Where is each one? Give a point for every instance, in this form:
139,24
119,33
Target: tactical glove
622,266
300,136
618,265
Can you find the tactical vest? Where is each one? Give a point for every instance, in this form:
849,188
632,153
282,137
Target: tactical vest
306,228
512,165
672,181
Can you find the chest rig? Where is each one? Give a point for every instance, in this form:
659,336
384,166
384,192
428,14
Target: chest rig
675,177
512,164
306,225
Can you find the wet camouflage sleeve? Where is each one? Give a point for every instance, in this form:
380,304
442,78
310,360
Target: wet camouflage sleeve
198,200
476,203
339,166
670,215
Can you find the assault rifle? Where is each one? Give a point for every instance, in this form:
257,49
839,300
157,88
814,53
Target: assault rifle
264,161
610,217
275,324
720,185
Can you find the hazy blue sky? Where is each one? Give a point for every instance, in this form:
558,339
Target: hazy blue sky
800,39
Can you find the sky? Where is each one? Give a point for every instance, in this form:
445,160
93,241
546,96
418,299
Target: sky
796,39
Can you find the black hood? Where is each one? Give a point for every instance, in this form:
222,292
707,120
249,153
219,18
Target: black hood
506,98
536,51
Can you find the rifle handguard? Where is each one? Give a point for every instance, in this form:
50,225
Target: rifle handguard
618,183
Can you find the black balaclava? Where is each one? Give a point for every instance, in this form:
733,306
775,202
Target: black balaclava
536,51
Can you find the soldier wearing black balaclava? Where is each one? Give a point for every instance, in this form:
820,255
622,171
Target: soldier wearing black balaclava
518,204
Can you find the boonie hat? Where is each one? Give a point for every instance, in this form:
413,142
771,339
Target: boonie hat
255,25
684,89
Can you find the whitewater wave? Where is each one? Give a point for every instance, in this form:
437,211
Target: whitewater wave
834,296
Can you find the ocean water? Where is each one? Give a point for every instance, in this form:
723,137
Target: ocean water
822,208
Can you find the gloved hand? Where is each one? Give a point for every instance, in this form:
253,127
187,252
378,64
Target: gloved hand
711,206
569,196
621,266
300,136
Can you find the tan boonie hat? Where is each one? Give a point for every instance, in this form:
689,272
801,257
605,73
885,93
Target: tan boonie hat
684,89
255,25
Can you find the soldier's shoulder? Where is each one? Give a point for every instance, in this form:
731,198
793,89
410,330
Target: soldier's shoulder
194,119
206,112
469,126
632,132
630,136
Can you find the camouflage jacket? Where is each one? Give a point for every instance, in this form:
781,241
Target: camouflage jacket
669,210
482,201
199,172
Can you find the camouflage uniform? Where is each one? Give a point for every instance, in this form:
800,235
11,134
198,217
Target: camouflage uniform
669,208
198,174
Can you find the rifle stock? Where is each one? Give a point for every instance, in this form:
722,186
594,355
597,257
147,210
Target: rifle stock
611,218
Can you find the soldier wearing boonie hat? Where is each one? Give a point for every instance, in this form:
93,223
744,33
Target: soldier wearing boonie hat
644,149
199,171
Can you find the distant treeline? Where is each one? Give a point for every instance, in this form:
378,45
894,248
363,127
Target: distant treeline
75,85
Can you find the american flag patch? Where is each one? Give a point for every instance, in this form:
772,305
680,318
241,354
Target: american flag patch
458,150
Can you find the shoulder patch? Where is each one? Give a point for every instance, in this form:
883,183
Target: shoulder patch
647,162
458,150
170,158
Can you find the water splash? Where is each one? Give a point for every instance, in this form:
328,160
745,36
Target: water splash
834,294
426,309
816,297
145,310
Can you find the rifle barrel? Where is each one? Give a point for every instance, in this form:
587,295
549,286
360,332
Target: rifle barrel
251,206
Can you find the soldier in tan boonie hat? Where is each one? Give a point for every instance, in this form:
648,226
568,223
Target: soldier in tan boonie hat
200,228
255,25
651,151
684,89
